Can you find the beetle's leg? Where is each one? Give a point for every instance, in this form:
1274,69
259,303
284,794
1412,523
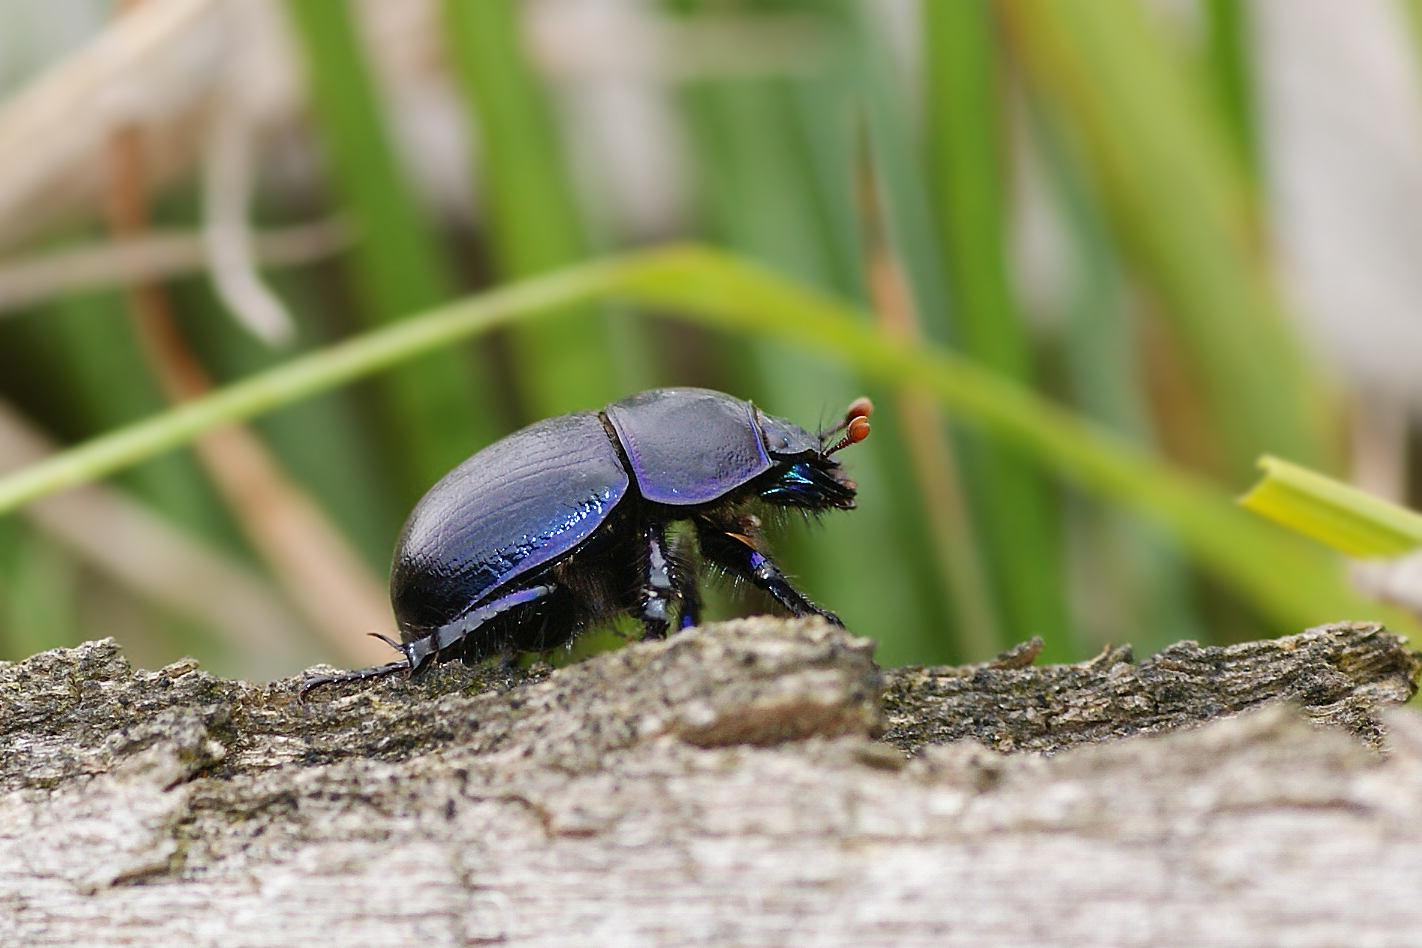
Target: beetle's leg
364,674
424,649
660,583
421,650
736,554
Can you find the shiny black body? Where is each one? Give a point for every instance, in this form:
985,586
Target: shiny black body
564,524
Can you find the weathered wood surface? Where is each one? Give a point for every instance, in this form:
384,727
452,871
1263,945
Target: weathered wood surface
724,787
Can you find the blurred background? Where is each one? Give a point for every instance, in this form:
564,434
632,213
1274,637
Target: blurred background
1194,223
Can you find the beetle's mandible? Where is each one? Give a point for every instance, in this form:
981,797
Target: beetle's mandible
564,524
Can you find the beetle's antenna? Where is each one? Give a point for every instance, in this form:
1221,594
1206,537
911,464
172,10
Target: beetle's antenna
855,426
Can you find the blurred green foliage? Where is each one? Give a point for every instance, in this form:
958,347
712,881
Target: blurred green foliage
877,178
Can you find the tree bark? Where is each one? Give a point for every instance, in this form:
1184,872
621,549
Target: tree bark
751,783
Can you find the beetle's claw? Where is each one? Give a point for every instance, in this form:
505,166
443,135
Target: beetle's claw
363,674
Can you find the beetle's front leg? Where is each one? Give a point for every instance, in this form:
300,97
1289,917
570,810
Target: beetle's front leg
735,552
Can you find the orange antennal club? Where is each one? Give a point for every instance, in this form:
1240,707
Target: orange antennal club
855,425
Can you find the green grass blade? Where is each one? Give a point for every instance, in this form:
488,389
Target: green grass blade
38,593
912,290
1228,35
396,263
91,355
566,360
776,166
1294,583
1289,581
1335,514
1177,196
1152,599
963,117
1413,11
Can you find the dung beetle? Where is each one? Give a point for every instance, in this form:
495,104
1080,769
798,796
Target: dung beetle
564,524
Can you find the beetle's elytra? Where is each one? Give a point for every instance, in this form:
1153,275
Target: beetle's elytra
565,523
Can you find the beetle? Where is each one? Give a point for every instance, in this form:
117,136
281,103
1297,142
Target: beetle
564,524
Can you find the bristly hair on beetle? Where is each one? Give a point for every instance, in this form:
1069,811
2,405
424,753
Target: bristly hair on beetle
564,524
812,481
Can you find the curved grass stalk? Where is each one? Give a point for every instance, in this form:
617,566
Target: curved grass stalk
1290,581
1335,514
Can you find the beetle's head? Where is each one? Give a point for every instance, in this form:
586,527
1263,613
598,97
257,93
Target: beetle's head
806,473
